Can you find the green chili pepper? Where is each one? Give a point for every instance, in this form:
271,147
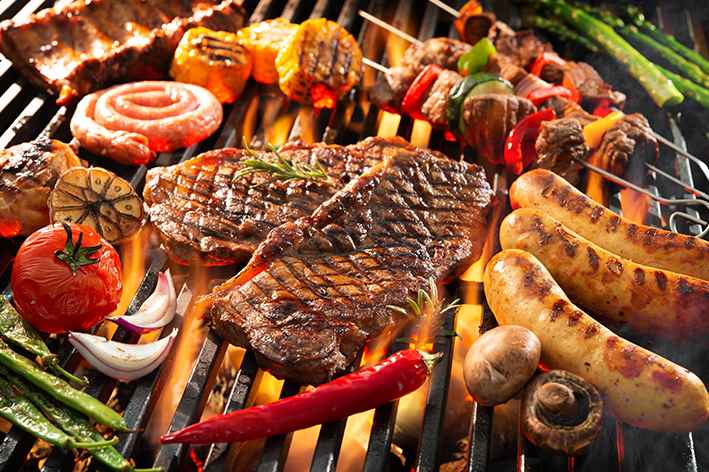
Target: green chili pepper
74,424
60,389
16,330
19,411
474,60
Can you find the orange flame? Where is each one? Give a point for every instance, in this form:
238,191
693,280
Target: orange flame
634,205
596,188
277,135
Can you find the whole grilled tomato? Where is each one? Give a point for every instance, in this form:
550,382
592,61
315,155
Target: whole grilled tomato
66,278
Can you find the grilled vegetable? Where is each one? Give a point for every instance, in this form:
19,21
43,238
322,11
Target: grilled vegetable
264,41
60,390
474,60
214,60
519,147
594,131
156,312
66,278
22,413
541,95
400,374
75,424
692,90
648,76
411,105
17,331
320,64
99,199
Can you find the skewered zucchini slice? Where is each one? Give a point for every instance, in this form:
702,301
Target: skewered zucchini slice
99,199
213,60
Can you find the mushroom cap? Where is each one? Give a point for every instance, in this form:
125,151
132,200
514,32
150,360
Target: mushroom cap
559,431
500,363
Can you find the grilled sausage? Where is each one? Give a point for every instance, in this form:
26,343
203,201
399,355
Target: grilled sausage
655,302
653,247
640,387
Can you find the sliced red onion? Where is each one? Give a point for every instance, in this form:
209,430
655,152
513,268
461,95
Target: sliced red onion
119,360
157,311
529,84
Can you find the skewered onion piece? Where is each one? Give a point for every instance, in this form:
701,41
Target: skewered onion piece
119,360
99,199
157,311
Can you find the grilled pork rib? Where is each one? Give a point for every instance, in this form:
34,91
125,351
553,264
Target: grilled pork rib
205,217
92,44
316,289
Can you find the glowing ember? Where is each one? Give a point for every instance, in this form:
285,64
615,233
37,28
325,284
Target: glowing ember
389,125
421,133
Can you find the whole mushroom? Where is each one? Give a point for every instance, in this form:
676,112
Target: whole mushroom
500,363
561,412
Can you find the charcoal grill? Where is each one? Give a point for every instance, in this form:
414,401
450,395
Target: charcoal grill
26,113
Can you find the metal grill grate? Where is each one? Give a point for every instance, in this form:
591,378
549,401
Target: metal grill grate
26,113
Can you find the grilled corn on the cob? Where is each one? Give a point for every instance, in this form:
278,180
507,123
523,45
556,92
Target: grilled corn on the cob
264,41
320,64
214,60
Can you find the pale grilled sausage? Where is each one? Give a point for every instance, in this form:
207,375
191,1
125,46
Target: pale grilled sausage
653,301
653,247
640,387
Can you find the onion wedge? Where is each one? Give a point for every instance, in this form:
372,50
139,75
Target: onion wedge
157,311
119,360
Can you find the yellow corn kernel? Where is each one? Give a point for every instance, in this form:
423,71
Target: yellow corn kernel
321,63
264,41
214,60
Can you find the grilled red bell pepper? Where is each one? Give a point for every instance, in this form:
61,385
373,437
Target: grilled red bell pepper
400,374
519,147
411,105
539,96
543,59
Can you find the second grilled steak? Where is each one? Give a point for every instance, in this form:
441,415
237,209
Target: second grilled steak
205,217
319,287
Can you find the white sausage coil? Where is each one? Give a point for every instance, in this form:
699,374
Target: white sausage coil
130,123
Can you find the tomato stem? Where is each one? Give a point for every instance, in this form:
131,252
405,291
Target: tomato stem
75,255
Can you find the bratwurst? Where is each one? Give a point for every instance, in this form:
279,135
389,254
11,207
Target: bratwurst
640,387
652,301
544,190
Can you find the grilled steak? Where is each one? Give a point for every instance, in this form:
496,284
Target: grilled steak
626,146
567,109
560,140
318,288
490,117
594,91
390,89
444,52
92,44
523,48
205,217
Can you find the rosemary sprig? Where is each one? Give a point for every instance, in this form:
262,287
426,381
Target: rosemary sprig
429,313
283,170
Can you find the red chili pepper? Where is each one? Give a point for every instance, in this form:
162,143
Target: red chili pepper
544,59
539,96
411,105
400,374
519,147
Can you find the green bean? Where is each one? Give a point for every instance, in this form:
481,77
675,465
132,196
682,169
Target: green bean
73,423
19,411
60,389
16,330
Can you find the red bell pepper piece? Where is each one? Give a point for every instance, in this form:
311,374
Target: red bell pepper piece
414,96
544,59
360,391
539,96
575,95
519,147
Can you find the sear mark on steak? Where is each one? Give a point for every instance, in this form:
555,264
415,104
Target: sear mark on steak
559,141
318,288
90,45
626,146
204,217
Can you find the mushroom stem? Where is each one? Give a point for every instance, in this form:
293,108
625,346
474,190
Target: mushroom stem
557,400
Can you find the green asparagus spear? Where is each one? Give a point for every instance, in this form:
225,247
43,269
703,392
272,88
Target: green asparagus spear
562,31
16,330
636,18
19,411
73,423
660,89
696,92
61,390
